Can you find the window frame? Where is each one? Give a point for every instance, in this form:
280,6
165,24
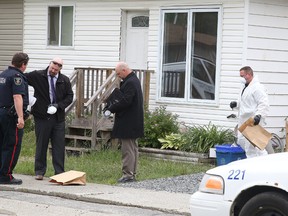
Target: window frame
186,99
59,45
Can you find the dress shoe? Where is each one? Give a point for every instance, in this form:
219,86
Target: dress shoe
126,179
39,177
14,181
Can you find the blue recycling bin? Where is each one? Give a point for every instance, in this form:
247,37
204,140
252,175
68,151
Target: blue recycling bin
227,153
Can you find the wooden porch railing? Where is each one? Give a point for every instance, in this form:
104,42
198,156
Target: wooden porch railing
92,87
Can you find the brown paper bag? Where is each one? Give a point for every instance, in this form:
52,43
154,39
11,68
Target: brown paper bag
71,177
256,134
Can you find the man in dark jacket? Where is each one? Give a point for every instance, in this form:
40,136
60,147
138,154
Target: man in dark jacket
129,120
53,93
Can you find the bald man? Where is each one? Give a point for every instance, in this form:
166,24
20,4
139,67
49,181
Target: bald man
129,120
53,92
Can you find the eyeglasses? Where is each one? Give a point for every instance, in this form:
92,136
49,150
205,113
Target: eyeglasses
56,63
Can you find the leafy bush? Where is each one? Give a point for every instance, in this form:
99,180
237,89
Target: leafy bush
202,138
198,138
172,141
157,124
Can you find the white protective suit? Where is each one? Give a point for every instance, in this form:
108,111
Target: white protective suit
253,101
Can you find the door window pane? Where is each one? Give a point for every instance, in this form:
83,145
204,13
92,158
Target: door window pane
140,21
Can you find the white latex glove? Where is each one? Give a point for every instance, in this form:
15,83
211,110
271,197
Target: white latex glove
32,100
107,113
51,110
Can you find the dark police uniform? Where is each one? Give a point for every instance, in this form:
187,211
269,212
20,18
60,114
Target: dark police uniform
12,82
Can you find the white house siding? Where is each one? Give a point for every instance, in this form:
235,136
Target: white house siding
267,53
96,36
97,43
96,33
11,25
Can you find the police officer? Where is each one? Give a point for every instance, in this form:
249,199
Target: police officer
14,100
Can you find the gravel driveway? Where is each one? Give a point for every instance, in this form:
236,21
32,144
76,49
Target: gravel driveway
178,184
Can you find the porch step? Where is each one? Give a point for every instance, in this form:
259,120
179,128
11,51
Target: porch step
78,141
80,133
77,137
73,151
82,122
106,124
86,124
84,127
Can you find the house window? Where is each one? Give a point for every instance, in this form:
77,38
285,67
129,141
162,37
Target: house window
60,26
189,50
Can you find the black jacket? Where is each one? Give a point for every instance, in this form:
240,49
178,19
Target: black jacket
129,113
64,95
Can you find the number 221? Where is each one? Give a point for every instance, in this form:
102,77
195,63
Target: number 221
236,174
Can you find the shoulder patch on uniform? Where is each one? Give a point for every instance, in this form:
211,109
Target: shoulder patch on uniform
2,80
17,80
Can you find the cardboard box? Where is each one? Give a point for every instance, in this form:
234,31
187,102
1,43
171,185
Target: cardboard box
256,134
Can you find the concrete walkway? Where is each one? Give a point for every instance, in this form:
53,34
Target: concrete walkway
106,194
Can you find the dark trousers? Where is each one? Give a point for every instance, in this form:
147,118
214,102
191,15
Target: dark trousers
45,130
10,145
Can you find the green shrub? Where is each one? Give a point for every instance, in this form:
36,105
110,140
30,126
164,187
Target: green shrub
172,141
198,139
157,124
201,138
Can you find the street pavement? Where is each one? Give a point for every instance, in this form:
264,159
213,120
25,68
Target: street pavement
169,202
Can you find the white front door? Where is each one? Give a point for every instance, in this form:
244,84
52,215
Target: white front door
136,39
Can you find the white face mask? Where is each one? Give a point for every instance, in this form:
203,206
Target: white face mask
242,80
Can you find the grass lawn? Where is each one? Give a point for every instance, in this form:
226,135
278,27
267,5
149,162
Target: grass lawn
104,167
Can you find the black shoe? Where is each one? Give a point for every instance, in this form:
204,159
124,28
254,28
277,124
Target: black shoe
126,179
14,181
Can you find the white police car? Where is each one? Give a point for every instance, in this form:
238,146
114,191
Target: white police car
249,187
